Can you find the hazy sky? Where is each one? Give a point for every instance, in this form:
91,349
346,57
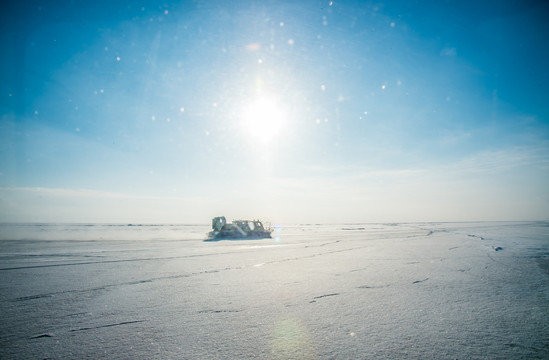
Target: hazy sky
289,111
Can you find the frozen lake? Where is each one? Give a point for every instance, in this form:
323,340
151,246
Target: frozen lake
372,291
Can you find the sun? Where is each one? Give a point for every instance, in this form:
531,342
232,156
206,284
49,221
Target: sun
263,120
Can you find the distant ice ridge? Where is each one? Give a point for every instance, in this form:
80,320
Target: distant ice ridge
84,232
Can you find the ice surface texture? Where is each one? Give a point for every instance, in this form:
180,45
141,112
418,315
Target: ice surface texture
383,291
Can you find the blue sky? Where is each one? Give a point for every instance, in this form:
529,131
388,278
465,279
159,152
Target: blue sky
313,111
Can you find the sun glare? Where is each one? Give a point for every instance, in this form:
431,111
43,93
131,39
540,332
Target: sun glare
263,120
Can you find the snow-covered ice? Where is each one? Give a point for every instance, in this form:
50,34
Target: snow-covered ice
371,291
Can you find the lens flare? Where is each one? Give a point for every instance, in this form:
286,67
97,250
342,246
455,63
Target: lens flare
291,340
